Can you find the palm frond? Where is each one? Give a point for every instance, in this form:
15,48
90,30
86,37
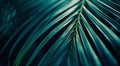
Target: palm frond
60,32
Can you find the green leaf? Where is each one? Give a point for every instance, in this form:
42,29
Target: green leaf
60,32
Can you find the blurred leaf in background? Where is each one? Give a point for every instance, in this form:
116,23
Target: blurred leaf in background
59,32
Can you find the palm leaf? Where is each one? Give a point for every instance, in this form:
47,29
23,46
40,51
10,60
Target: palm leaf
59,33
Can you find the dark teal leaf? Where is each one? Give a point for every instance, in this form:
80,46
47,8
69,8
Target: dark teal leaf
60,32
